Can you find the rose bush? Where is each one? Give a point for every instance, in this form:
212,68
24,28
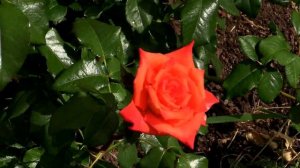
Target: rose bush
169,96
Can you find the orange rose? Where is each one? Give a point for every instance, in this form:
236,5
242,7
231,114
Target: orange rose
169,96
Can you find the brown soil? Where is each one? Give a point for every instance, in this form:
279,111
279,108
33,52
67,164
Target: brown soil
241,143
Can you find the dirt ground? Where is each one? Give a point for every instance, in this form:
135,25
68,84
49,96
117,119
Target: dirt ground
244,143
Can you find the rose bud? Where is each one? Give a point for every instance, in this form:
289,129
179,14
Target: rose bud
169,96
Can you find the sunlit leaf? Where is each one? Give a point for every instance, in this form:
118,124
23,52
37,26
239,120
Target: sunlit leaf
138,14
35,10
248,44
192,161
86,75
32,156
272,46
56,56
244,77
199,21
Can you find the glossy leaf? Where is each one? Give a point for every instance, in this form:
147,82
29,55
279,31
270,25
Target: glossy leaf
75,114
244,77
56,56
137,15
169,142
35,10
56,12
152,159
192,161
199,21
248,44
127,155
32,156
168,159
83,75
270,86
296,21
5,161
148,141
14,42
285,57
292,71
272,46
101,38
229,6
249,7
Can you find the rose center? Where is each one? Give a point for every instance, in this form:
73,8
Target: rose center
174,91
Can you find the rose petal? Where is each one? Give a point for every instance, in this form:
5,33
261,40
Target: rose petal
185,133
131,114
183,55
210,100
147,61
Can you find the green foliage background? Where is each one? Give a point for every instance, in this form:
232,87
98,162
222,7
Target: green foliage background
67,66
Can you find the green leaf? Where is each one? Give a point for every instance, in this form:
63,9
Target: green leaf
285,57
152,159
39,119
192,161
281,2
127,155
244,77
32,156
294,114
199,21
229,6
35,10
243,117
119,92
248,44
54,52
14,42
249,7
56,12
41,111
75,114
270,86
138,14
292,71
101,38
5,161
272,46
168,159
21,103
148,141
169,142
86,75
101,126
296,21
